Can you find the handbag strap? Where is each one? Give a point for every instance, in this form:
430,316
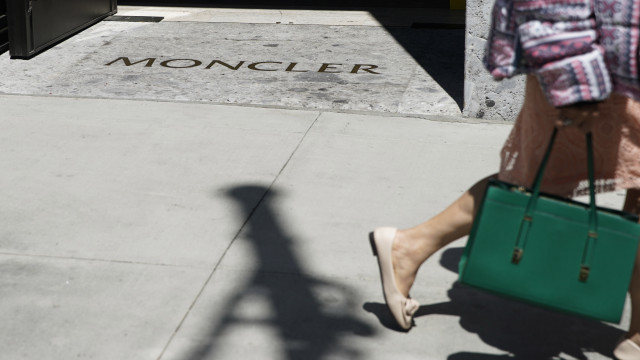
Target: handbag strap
592,235
528,218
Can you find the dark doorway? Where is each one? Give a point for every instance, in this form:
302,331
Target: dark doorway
4,28
36,25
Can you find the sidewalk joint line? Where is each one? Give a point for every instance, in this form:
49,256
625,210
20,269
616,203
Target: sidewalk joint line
439,118
237,235
113,261
313,123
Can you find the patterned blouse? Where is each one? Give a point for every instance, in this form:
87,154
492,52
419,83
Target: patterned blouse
580,50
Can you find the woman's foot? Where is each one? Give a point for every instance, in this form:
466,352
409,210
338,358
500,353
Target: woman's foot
400,304
628,349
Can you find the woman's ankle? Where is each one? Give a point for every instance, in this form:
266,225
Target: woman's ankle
407,259
634,336
415,245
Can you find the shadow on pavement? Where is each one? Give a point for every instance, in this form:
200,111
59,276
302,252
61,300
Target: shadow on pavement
524,331
440,52
310,316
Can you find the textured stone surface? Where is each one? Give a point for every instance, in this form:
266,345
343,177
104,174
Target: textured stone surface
484,97
391,76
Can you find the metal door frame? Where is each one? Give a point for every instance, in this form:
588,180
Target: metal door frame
4,27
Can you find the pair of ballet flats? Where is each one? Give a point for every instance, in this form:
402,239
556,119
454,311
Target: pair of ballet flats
627,350
402,308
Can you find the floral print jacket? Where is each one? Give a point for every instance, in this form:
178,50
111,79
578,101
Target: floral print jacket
580,50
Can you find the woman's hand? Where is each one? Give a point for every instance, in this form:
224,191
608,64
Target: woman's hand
582,115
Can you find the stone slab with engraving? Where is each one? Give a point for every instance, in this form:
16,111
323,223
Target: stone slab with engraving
344,68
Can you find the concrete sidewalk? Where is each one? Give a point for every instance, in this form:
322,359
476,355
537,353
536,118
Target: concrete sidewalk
160,230
143,229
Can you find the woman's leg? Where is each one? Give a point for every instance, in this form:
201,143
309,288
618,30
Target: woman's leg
414,246
632,205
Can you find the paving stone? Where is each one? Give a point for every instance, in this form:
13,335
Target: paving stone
56,308
133,181
343,68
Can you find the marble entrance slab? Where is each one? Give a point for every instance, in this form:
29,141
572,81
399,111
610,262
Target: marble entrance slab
344,68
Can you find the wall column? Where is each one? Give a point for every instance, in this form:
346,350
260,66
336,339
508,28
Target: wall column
485,98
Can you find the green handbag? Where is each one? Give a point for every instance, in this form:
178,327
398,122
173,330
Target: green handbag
552,252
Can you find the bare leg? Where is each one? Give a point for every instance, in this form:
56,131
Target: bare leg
632,204
414,246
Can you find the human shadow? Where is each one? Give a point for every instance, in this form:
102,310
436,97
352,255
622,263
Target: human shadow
311,316
524,331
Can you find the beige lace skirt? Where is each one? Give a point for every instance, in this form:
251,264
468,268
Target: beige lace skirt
616,140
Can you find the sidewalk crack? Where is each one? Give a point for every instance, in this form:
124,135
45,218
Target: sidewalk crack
237,235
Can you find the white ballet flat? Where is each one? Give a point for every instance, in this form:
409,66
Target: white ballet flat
627,350
401,307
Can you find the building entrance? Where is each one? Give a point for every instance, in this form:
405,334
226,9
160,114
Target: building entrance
34,25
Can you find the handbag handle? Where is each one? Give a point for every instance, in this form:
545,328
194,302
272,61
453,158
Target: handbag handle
527,220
